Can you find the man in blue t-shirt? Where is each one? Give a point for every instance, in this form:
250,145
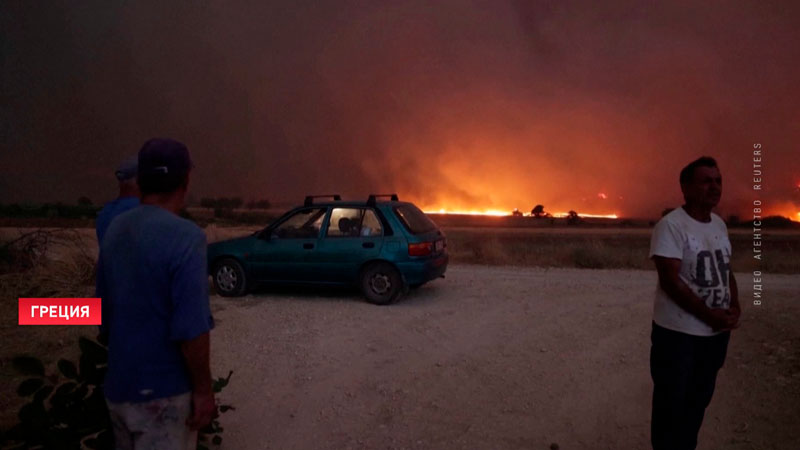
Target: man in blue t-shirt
128,197
153,282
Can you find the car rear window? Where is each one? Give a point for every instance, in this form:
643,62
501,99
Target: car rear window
414,220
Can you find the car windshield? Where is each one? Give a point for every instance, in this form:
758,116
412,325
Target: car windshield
414,220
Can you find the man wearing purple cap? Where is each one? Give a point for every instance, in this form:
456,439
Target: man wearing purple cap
128,197
153,282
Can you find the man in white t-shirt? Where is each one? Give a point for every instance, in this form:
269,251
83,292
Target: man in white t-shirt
696,306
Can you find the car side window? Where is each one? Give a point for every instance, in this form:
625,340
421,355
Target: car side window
354,222
304,224
371,225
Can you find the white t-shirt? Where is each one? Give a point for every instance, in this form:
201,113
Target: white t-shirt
705,254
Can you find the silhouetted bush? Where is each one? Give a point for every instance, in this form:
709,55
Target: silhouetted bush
67,409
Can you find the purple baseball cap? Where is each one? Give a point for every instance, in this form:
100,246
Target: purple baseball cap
127,168
164,156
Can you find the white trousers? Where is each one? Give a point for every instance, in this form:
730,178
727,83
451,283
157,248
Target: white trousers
154,425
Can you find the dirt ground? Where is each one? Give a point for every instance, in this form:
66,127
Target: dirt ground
491,357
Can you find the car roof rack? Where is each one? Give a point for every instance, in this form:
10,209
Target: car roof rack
310,198
373,198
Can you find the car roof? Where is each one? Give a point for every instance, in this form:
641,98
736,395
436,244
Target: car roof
352,203
372,200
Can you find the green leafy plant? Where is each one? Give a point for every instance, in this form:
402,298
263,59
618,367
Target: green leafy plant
67,409
212,433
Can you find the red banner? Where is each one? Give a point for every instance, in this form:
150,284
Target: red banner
60,311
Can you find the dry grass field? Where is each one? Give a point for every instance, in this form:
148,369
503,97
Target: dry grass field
584,247
605,248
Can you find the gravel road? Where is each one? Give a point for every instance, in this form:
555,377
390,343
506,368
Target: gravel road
490,358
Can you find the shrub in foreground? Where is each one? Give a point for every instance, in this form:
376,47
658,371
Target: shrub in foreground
67,409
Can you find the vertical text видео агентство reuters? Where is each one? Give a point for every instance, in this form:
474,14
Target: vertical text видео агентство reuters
758,287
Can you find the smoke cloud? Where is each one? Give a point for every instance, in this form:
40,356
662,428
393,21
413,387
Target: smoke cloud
467,105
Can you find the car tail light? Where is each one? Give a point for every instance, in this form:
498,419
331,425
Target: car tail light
420,249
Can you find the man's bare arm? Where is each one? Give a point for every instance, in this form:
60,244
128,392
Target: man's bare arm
734,292
196,355
735,309
670,281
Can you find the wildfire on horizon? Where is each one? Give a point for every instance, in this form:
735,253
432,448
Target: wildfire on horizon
603,206
792,215
787,209
500,213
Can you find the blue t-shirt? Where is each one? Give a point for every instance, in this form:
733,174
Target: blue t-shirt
110,210
153,281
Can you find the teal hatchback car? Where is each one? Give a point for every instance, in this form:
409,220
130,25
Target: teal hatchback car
383,246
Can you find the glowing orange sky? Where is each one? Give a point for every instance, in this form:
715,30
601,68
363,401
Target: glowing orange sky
452,104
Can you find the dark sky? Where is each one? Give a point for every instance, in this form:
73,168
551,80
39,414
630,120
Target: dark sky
452,104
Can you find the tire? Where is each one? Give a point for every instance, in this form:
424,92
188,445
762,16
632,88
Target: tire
381,283
229,278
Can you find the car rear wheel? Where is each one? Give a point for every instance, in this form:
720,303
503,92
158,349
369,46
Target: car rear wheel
229,278
381,283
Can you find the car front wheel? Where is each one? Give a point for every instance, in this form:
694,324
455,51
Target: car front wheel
381,283
229,278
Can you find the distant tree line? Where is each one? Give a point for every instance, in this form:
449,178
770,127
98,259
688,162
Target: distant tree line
538,212
573,218
228,203
55,210
259,204
221,202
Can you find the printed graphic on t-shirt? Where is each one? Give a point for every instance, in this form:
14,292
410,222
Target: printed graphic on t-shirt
709,276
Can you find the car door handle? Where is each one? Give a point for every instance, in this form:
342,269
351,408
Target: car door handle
368,245
308,246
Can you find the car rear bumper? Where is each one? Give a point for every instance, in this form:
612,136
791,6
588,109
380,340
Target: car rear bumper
421,271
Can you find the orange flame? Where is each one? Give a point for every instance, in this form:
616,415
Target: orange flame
499,213
592,216
475,212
